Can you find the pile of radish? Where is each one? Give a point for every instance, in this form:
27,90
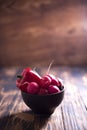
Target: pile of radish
31,82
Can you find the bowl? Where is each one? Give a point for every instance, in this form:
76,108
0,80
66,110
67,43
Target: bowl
43,104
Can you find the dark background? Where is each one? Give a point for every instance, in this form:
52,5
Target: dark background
36,32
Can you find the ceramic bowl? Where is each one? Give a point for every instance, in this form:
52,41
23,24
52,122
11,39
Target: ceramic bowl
43,104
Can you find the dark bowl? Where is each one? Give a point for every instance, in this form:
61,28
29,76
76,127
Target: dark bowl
43,104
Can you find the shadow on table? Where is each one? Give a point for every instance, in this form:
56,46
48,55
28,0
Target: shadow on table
23,121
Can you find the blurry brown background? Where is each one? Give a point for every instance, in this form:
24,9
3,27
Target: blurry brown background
35,32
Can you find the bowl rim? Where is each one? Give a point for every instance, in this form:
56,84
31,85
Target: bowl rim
43,95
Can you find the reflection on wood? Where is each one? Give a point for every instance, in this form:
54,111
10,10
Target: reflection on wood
70,115
41,31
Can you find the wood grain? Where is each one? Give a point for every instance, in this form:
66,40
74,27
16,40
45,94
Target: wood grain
70,115
37,32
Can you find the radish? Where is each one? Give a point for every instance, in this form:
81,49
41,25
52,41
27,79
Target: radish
45,81
54,80
53,89
43,91
33,88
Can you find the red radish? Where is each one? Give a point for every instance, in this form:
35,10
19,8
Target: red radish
59,84
23,86
19,77
45,81
33,88
25,71
54,80
31,82
53,89
31,76
43,91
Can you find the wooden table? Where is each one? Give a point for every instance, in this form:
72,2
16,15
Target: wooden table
70,115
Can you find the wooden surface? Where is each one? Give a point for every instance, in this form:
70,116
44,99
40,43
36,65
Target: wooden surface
39,31
70,115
